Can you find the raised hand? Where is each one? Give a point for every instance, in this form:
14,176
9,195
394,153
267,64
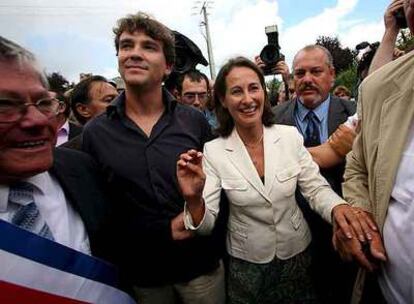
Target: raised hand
281,68
389,19
259,62
190,175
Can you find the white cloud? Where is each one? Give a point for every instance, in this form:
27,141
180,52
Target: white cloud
77,37
326,23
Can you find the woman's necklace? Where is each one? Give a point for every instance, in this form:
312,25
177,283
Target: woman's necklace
255,144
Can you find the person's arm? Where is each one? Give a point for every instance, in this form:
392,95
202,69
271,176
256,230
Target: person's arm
333,152
201,190
323,200
355,190
385,51
325,156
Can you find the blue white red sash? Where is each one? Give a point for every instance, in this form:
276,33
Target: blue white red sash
36,270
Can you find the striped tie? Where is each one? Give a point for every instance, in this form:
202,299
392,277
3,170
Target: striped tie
27,215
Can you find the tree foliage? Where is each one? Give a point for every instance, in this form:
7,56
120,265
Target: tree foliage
58,83
273,85
343,58
405,40
348,78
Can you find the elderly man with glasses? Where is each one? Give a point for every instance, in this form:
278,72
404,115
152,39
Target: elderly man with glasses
52,210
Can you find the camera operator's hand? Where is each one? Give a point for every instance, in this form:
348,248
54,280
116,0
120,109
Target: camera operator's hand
389,18
385,51
259,62
283,69
398,53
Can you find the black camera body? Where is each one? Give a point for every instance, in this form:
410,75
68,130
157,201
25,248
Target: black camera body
270,54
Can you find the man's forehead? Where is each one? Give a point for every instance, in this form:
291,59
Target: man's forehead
188,82
101,88
315,57
20,81
126,35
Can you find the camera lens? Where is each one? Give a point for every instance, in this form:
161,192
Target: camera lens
270,54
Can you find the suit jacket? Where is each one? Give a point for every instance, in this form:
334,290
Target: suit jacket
339,111
80,180
386,111
264,220
75,143
74,130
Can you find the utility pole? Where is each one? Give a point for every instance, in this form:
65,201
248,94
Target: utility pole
207,36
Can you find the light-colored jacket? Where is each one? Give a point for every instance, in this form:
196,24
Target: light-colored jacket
386,110
265,220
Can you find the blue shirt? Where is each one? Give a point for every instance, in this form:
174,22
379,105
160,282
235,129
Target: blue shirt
321,113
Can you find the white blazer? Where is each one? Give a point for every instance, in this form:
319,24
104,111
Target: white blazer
265,220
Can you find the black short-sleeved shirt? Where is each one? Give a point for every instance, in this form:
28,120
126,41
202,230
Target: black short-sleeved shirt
141,176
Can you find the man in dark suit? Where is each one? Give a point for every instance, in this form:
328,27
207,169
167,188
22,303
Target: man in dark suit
317,114
57,190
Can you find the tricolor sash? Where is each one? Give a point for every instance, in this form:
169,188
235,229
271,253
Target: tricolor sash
36,270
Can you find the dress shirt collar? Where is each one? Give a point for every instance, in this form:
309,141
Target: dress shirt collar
320,111
118,104
41,182
64,129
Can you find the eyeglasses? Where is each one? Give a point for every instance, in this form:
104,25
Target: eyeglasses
190,97
12,110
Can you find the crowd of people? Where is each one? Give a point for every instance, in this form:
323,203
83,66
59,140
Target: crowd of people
206,191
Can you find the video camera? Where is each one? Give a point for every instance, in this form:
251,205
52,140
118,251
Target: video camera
365,54
187,56
270,54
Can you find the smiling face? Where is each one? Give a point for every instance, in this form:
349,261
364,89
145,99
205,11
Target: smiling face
244,97
26,145
313,77
141,60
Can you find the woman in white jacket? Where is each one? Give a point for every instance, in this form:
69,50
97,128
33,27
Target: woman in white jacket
259,165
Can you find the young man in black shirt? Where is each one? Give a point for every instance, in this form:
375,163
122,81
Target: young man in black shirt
137,143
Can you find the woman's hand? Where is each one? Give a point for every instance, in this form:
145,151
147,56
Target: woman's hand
191,177
353,222
356,236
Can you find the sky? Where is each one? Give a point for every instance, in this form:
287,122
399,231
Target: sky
73,37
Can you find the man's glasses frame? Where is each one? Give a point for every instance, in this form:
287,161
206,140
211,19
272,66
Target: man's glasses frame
12,110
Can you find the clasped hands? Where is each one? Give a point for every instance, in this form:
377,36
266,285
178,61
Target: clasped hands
356,237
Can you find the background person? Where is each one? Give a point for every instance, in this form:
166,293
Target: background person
193,89
90,97
342,92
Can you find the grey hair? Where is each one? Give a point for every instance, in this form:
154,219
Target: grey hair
311,47
11,52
